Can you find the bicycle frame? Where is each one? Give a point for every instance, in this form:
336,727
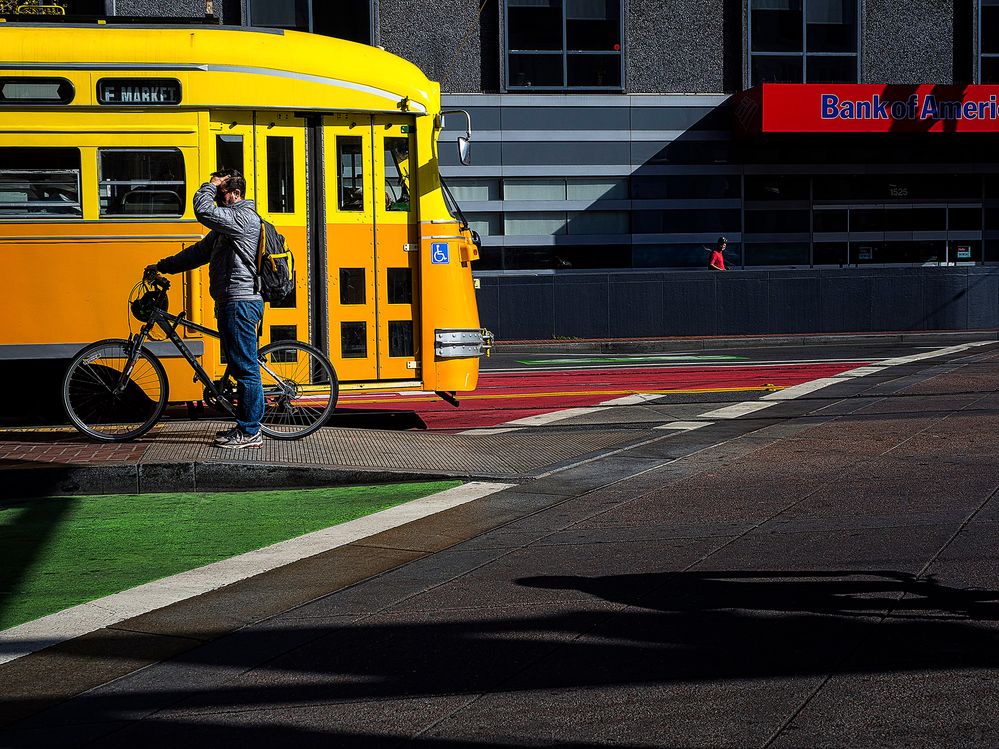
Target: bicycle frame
169,323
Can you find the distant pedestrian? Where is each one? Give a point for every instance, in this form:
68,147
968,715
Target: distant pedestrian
717,261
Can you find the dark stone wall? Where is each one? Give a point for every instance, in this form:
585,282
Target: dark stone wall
912,42
449,41
605,304
683,46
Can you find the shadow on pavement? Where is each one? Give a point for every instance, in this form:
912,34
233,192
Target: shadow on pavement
26,525
306,683
842,593
358,418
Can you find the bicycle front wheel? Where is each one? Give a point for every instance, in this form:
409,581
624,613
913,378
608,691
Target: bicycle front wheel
300,389
106,404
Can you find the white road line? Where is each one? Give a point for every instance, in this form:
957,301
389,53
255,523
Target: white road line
537,420
736,410
88,617
485,431
685,426
634,399
796,391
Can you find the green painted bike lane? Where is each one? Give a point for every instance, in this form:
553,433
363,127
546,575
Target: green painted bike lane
57,552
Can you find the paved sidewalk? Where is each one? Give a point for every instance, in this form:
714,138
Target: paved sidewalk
180,456
824,573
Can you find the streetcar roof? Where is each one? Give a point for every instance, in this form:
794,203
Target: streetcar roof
225,66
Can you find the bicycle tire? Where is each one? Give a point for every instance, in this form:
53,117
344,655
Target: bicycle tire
306,393
88,392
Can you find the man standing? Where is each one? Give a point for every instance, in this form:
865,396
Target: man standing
230,249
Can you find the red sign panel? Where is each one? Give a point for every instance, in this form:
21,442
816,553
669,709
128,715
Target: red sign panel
867,108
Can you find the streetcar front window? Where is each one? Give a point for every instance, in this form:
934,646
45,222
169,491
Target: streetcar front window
452,205
397,170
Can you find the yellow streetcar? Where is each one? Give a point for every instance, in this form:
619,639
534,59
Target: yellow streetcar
106,132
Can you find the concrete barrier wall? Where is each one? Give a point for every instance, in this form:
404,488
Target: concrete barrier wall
607,304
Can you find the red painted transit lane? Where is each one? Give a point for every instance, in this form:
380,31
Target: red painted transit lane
505,396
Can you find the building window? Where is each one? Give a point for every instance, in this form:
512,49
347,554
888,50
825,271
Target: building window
803,41
988,41
344,19
563,44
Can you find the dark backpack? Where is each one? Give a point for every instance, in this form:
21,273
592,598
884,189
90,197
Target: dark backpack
275,265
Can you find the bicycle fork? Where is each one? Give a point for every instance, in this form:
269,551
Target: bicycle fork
134,347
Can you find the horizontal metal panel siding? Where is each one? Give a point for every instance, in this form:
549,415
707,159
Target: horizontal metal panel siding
614,131
698,303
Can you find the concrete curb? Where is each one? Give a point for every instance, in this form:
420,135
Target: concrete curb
148,478
663,345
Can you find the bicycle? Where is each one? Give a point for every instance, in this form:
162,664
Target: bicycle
116,389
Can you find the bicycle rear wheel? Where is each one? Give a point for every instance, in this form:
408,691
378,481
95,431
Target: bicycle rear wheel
300,389
105,405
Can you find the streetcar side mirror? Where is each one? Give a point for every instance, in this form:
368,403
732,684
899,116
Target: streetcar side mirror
464,141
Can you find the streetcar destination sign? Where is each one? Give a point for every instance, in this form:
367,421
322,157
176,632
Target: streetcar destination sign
139,91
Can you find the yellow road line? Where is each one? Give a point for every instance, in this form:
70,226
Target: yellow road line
561,393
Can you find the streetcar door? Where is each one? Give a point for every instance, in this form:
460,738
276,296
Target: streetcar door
396,246
350,246
281,198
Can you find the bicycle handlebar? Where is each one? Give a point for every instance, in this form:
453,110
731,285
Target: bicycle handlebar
153,278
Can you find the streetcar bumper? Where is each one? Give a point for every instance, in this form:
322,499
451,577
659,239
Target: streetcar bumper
455,343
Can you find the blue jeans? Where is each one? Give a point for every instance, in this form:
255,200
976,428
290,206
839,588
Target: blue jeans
238,322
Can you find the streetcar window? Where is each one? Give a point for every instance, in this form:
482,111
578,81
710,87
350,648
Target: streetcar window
351,174
400,286
30,90
229,153
352,286
40,183
397,171
284,333
353,340
148,182
400,337
280,174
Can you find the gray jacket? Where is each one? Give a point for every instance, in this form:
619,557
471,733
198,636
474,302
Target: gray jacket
229,248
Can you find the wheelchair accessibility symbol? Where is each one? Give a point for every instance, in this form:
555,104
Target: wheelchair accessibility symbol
438,253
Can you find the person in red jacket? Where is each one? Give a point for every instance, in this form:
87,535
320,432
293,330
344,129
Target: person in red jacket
717,261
